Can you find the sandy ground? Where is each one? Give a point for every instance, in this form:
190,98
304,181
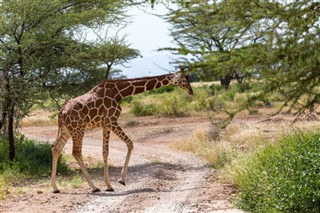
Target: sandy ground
160,179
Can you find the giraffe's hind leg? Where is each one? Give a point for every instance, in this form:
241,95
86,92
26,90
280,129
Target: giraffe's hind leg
56,151
77,154
119,132
105,153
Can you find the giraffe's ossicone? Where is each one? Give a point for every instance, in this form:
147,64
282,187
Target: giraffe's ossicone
100,107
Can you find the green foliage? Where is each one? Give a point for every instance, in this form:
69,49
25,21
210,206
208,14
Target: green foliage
126,100
36,58
177,103
140,109
32,159
274,41
283,177
165,89
174,106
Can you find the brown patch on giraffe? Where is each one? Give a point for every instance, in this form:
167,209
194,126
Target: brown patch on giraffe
139,83
139,89
165,81
122,85
99,103
101,110
99,92
93,112
158,85
151,83
127,91
85,110
108,92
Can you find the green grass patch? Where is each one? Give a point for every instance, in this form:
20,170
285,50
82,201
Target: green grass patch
282,177
32,161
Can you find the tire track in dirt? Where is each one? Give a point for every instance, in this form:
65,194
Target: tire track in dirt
159,181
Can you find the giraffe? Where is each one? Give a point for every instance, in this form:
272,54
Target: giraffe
100,107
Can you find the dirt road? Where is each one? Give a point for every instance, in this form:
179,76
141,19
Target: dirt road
160,179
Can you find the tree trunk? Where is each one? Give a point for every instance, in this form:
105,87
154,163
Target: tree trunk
109,65
3,120
11,134
225,81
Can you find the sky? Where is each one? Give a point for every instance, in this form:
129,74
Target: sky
147,33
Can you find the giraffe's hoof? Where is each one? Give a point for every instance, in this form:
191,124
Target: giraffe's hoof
122,182
56,191
110,190
96,190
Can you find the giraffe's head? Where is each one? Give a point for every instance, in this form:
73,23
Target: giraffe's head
182,80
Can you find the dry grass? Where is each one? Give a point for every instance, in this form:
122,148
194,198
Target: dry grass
39,118
217,153
244,135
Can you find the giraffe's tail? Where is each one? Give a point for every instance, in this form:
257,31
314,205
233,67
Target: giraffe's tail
58,135
52,146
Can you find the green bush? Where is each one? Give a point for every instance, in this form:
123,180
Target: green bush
140,109
31,159
229,94
174,106
200,100
284,177
243,87
126,100
161,90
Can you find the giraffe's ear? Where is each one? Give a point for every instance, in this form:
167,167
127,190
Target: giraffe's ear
187,76
177,76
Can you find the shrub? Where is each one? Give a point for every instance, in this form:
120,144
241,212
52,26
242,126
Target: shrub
283,177
200,100
229,94
32,158
140,109
161,90
174,106
126,100
243,87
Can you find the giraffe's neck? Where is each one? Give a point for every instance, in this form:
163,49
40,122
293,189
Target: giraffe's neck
134,86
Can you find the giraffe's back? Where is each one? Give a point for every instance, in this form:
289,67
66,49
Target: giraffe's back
93,109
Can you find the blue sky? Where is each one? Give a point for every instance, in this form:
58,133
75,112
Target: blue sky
147,33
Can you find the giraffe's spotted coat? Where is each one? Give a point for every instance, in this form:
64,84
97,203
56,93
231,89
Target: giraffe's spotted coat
100,107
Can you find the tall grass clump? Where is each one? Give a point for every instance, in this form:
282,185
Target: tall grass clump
282,177
216,153
32,160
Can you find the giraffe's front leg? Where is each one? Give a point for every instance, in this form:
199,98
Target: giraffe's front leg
118,131
105,153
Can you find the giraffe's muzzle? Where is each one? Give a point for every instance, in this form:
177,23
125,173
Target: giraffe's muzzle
190,91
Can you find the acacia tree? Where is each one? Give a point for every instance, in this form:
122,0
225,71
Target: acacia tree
289,60
112,51
202,28
278,41
39,51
